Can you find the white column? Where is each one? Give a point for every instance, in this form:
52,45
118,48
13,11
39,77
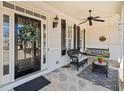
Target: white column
121,25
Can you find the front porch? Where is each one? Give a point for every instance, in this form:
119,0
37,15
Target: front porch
35,38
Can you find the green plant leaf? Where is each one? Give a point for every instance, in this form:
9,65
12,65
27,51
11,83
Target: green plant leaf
28,33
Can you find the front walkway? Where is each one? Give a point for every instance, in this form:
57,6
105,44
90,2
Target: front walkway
66,79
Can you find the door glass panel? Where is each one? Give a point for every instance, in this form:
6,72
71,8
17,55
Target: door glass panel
44,43
5,44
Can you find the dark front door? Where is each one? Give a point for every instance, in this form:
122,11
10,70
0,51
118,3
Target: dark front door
27,54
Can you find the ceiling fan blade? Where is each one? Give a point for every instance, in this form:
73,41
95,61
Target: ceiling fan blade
83,22
99,20
90,22
96,17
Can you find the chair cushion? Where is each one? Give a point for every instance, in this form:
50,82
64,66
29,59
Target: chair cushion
80,57
98,51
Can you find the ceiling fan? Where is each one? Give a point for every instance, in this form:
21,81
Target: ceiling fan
91,18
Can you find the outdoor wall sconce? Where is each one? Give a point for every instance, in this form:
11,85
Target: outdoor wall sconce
55,21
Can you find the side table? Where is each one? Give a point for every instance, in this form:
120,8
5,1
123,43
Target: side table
100,67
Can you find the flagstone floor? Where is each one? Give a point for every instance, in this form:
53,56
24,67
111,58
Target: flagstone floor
66,79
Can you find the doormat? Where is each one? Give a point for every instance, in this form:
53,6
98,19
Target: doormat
110,82
33,85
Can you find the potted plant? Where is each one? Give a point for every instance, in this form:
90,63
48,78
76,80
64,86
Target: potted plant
100,58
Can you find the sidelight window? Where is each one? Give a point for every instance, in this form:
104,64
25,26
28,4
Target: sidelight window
5,44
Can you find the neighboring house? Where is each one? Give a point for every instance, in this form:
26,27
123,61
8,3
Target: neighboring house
19,64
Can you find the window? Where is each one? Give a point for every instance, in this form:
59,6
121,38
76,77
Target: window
63,37
69,37
81,38
5,44
74,30
78,37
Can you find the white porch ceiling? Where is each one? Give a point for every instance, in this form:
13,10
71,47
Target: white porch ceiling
79,9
